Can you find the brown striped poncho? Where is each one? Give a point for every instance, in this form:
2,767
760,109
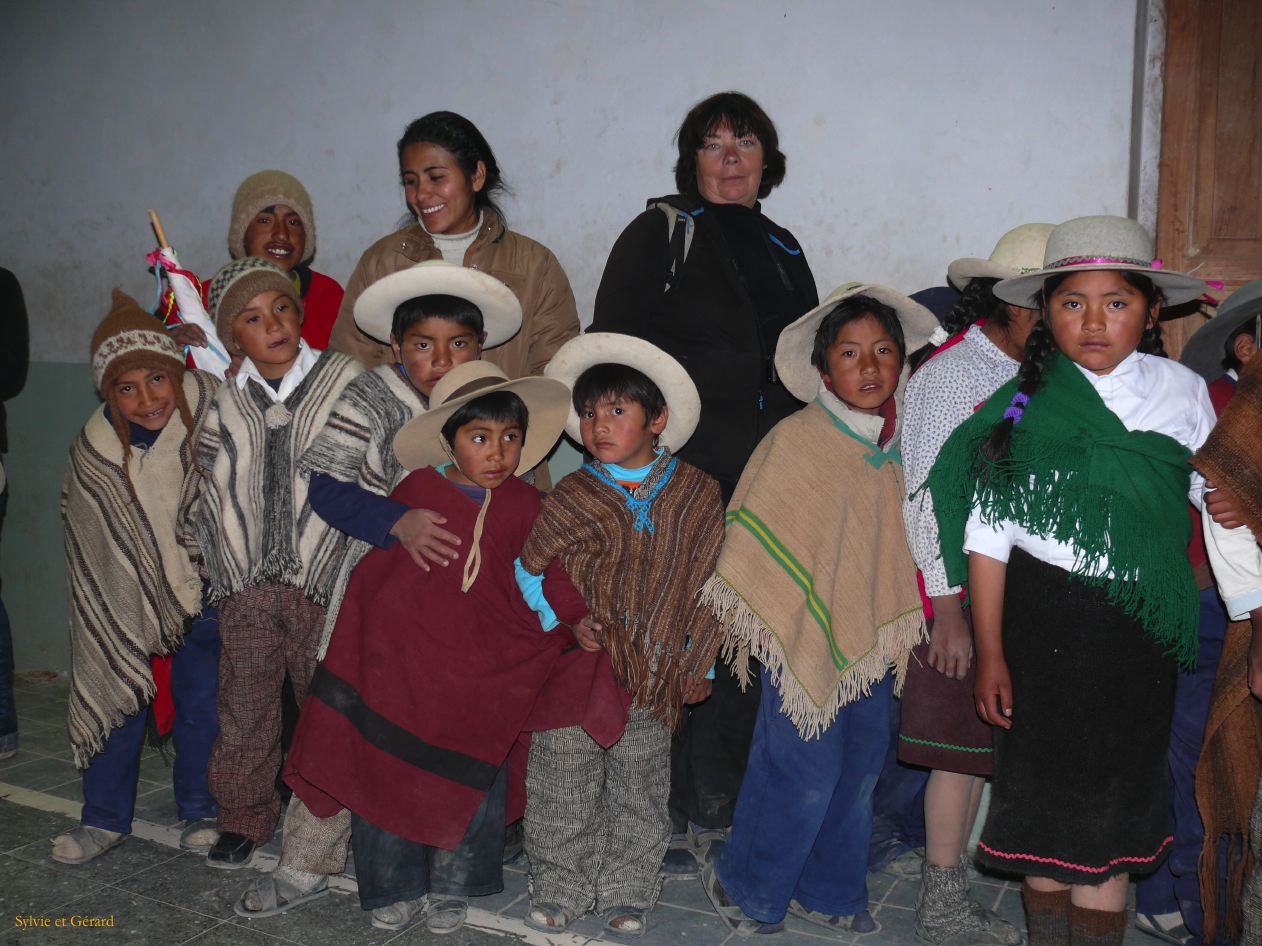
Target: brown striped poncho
642,585
131,586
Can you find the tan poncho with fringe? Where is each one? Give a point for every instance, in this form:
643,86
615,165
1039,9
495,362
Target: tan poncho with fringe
131,586
815,579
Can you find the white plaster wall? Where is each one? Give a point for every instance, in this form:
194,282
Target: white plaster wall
917,131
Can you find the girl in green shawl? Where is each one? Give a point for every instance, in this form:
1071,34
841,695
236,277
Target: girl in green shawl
1063,503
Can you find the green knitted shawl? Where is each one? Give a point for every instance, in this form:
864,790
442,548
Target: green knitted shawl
1075,474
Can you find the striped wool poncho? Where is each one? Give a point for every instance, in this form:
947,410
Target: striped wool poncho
816,580
132,587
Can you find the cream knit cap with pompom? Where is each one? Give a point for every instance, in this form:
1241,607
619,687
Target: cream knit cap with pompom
266,189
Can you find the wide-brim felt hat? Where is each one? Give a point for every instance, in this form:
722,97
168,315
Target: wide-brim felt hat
419,442
500,308
1205,350
797,341
683,402
1112,243
1018,251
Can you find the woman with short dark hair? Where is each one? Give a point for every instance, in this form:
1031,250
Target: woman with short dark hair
704,275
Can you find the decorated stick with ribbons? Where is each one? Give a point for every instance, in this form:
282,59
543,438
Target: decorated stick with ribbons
183,302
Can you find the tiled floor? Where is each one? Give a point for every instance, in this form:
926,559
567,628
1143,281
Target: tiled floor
153,893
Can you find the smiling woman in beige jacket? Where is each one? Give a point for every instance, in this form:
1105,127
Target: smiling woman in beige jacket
450,176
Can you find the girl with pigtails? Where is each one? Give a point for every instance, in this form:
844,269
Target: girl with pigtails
1063,504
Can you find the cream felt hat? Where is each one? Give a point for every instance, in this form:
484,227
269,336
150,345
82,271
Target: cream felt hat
1018,251
1086,243
683,402
501,311
797,341
1206,349
419,442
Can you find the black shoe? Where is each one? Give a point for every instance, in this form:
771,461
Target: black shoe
681,862
514,841
231,851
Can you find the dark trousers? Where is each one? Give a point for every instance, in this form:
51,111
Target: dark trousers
8,709
898,803
709,751
389,868
804,818
1174,886
109,781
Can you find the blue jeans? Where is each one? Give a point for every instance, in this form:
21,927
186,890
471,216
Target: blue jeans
109,781
8,709
803,819
1174,887
389,868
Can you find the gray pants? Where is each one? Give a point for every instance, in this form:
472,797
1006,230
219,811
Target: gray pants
597,823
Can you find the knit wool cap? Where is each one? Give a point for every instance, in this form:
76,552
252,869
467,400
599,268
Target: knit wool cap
129,337
266,189
240,281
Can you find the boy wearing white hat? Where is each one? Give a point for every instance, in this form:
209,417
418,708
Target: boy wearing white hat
817,583
637,531
432,675
435,316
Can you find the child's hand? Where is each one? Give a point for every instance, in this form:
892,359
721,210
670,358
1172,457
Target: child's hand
191,335
1255,654
587,633
700,691
418,531
1222,507
993,692
950,643
234,365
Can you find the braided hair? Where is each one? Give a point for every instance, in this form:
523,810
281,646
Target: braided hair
1041,346
977,301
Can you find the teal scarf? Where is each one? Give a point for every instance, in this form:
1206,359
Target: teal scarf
1075,474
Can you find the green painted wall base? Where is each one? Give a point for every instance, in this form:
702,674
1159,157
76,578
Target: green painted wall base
43,420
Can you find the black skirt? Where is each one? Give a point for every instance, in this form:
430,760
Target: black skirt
1079,790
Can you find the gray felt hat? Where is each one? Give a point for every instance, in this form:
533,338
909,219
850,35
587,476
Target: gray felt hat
1205,350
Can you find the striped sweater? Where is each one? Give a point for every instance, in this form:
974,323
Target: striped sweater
251,520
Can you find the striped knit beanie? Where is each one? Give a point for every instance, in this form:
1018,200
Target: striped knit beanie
240,281
266,189
127,338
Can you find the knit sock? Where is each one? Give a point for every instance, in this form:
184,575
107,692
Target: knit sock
1046,916
1096,927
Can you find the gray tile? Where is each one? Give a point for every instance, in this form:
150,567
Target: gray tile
159,808
514,890
41,773
687,893
157,769
129,858
186,881
32,889
898,928
133,919
902,893
335,919
71,791
44,740
227,934
418,935
21,826
669,924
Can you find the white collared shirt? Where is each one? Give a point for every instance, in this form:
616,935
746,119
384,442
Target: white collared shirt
1146,392
307,357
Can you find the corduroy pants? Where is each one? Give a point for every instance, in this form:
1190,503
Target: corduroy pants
597,824
266,629
804,816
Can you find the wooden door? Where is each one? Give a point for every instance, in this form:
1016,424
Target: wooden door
1209,203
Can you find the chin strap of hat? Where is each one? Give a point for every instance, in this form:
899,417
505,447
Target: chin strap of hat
473,564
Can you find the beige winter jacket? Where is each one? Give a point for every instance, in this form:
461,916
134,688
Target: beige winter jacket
549,315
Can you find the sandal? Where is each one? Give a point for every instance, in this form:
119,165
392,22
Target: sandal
626,921
446,915
547,917
729,911
861,922
199,834
274,895
398,915
84,843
